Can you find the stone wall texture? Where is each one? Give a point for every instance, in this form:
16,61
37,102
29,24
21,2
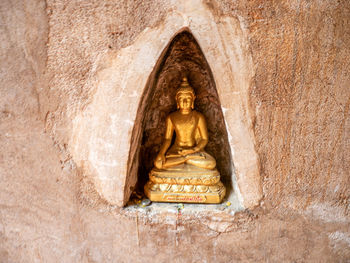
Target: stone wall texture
63,65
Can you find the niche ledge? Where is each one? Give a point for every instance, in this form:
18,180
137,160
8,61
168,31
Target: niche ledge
216,216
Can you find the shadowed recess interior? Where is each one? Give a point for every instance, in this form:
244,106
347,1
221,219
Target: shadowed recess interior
182,57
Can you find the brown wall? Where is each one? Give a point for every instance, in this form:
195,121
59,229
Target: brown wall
299,97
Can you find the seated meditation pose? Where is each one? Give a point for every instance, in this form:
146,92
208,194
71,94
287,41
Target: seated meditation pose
184,172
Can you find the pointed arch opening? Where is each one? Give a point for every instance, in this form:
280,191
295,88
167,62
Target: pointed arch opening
182,57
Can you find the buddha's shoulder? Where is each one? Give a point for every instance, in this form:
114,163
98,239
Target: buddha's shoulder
198,114
172,115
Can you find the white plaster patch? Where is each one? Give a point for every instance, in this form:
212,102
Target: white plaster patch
340,237
336,188
327,212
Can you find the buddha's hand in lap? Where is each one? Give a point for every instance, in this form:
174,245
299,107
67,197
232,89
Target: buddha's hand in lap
161,158
189,154
185,152
159,161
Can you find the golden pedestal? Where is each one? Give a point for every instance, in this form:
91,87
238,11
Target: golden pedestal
185,184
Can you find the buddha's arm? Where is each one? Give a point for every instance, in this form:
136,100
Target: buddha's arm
202,126
169,130
165,146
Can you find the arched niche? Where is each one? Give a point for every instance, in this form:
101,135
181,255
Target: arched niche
104,141
182,57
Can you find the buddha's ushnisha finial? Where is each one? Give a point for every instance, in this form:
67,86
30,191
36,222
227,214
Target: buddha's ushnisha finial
185,87
184,82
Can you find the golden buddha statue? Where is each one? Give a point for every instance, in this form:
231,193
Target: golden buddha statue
185,172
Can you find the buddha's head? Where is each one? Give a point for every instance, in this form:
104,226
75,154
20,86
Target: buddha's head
185,96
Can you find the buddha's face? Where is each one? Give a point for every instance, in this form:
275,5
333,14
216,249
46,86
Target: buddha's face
185,101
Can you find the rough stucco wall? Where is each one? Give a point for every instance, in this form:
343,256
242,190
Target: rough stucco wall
37,196
300,99
77,41
21,65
